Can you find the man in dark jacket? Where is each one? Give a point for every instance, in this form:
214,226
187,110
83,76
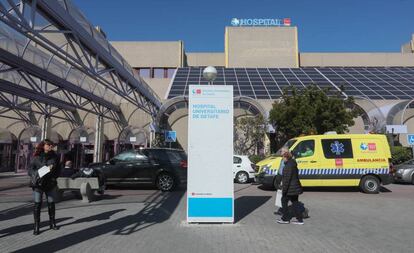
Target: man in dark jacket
291,189
68,170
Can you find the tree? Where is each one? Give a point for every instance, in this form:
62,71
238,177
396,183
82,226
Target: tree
311,111
249,132
158,141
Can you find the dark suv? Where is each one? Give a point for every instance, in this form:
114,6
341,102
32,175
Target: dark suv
162,167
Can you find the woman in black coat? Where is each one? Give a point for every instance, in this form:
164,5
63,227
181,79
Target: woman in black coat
44,156
291,189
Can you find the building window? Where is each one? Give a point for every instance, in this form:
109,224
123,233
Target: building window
158,73
155,72
170,72
145,72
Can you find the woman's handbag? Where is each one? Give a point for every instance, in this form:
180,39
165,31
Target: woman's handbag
278,201
34,179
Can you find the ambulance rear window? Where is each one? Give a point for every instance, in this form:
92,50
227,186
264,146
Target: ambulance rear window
337,148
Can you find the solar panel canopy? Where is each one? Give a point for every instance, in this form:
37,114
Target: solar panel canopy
378,83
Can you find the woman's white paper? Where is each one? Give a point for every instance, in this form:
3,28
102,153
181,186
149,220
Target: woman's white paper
43,171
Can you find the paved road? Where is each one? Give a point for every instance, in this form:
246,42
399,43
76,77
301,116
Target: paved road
146,220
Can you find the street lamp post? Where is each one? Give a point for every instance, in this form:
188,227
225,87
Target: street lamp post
210,73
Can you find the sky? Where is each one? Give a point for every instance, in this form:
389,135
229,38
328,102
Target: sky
323,25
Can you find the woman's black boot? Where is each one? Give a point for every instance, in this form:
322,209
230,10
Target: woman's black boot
36,216
51,210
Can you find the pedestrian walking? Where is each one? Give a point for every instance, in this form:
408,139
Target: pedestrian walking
291,189
43,171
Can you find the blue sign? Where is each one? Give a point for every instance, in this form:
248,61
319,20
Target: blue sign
410,139
170,136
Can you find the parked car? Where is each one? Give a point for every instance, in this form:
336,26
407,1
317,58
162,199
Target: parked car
162,167
405,172
243,169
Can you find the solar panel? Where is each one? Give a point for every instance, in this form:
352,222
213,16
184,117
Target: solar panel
268,83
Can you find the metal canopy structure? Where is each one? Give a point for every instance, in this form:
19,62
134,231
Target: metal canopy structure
376,83
53,60
181,103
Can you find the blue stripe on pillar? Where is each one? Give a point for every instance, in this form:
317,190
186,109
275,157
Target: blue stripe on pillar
210,207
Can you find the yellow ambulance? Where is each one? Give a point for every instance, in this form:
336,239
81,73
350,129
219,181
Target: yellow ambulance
335,160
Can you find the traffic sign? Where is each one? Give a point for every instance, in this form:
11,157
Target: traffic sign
410,139
170,136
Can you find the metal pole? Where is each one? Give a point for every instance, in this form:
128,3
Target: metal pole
99,138
151,138
46,127
391,137
412,147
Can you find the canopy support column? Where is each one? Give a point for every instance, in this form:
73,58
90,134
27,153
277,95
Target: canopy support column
99,139
47,125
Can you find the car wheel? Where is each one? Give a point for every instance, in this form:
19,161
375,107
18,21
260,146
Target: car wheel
412,179
242,177
370,184
165,182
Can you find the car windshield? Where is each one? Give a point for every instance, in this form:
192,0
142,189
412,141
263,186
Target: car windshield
287,145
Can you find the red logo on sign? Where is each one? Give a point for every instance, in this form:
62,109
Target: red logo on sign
372,146
339,162
286,21
198,91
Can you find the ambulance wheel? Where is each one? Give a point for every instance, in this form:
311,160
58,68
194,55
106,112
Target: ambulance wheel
370,184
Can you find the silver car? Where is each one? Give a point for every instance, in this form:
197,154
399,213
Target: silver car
405,172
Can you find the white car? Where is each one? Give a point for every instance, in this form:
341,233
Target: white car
243,169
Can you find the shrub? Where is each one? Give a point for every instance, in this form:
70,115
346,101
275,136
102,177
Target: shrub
256,158
400,154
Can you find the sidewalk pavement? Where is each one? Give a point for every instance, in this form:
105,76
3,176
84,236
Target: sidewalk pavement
146,220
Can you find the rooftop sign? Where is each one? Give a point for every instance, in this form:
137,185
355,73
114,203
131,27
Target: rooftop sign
260,22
